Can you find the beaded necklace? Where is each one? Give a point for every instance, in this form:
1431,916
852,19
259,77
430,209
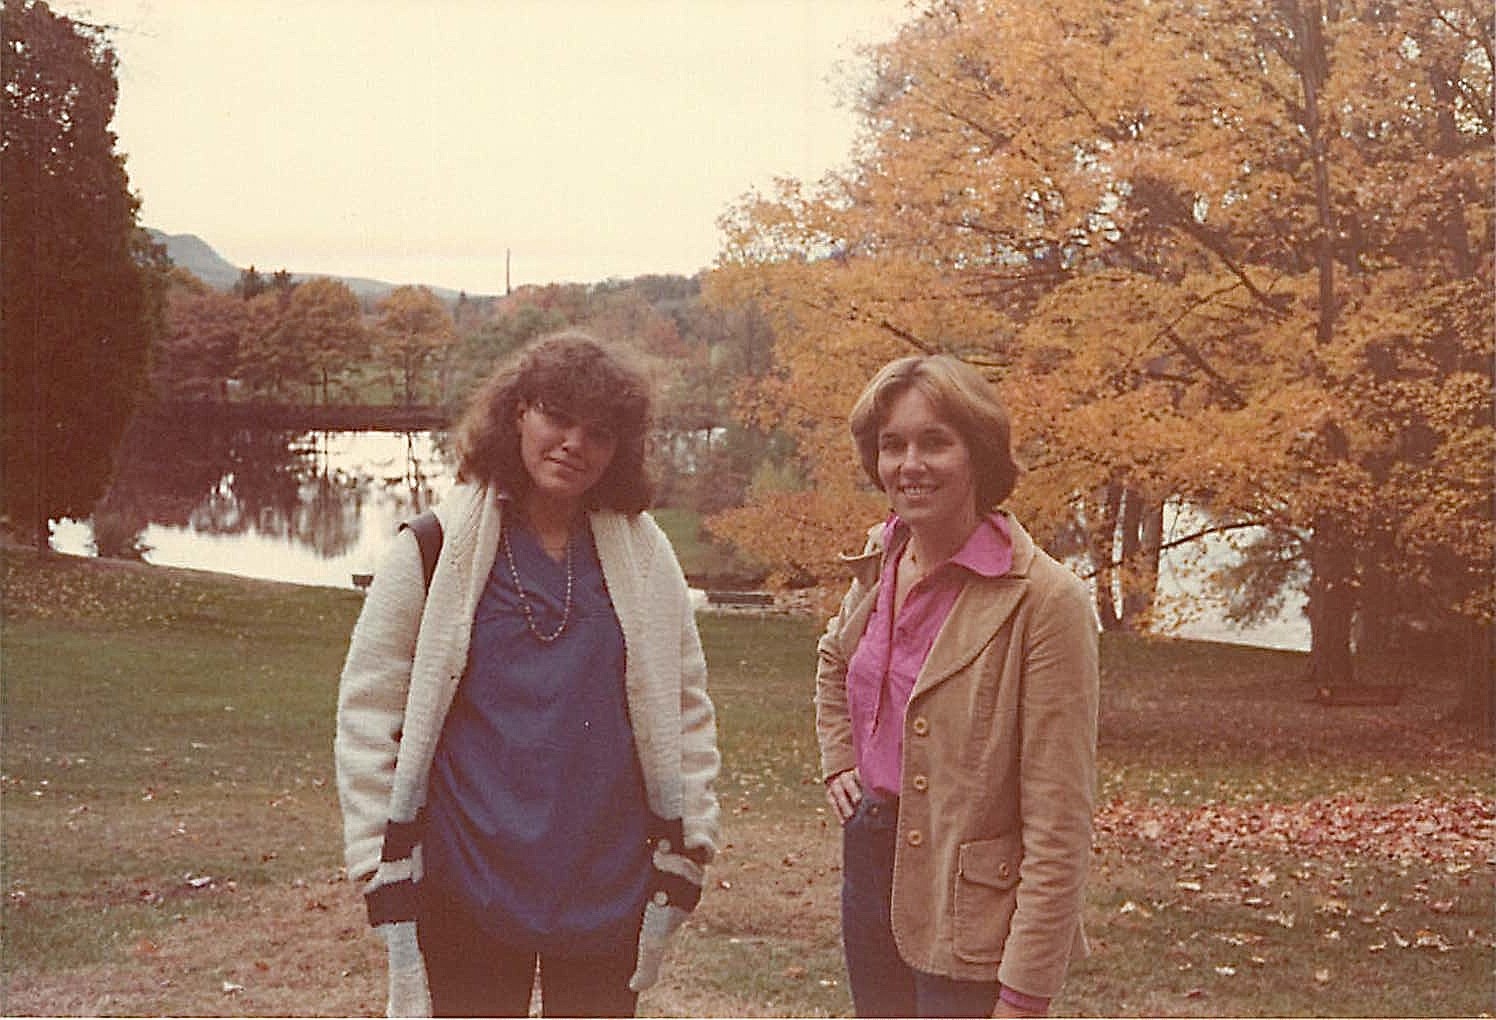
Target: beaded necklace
524,598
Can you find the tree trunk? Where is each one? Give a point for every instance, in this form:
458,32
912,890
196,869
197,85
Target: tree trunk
1477,665
1103,539
408,369
1377,630
1132,519
1332,590
1153,540
41,533
1314,69
1332,605
1131,552
1456,231
1142,534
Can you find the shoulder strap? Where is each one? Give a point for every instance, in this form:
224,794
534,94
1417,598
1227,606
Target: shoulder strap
428,531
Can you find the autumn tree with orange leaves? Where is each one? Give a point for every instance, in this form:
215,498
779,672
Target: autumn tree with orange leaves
414,332
1229,254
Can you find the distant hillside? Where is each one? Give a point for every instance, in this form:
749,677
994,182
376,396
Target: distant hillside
193,254
196,256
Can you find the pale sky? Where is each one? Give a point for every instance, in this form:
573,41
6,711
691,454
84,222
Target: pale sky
414,141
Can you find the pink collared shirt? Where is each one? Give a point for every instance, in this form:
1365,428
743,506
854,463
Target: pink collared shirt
881,674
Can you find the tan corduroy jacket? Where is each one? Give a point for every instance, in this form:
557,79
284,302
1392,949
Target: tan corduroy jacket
998,778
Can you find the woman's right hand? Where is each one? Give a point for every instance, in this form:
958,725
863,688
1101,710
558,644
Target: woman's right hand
844,791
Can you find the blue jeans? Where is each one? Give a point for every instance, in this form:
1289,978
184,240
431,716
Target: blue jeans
882,983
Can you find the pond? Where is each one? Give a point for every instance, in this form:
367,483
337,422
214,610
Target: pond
319,507
306,507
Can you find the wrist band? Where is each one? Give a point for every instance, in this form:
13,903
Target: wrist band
1031,1003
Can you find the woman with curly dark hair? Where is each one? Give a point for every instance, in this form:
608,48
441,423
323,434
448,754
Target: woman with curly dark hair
526,749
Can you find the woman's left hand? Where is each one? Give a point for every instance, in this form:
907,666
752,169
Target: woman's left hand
844,791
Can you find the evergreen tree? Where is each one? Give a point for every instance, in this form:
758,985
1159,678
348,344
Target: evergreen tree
81,284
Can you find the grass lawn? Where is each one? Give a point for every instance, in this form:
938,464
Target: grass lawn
699,556
171,842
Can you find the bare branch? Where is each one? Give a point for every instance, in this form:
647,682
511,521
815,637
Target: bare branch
1174,543
1235,400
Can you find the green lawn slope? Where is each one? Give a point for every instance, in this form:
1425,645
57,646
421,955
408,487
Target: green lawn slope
171,842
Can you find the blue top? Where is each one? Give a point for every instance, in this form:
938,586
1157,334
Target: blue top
536,812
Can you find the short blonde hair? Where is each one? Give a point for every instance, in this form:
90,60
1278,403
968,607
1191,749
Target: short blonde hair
963,398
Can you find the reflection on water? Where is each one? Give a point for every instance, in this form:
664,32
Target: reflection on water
319,507
307,507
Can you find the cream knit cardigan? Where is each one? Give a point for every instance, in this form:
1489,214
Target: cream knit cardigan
404,664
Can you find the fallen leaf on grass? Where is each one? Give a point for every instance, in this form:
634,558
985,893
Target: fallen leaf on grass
1448,830
1426,939
1239,938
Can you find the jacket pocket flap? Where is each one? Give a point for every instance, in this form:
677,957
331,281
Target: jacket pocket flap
991,862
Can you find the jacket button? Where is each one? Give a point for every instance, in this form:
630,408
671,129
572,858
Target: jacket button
1002,870
915,837
921,726
920,784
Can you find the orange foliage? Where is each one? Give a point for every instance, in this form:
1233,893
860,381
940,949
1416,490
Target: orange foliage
1231,253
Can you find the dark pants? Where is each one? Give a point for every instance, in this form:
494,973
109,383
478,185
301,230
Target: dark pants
882,983
473,974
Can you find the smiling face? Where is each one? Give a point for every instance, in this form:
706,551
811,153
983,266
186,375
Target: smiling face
925,468
563,456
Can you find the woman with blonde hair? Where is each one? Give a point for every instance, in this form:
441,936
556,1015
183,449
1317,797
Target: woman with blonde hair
526,749
956,699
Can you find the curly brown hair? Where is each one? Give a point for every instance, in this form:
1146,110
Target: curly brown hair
581,376
963,398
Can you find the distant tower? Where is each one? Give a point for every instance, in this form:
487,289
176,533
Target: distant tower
506,272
